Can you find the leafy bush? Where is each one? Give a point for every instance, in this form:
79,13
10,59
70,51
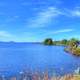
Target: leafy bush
48,41
76,51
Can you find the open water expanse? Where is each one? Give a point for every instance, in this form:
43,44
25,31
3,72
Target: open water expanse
15,57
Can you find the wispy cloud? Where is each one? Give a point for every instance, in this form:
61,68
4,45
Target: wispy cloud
5,34
11,18
41,3
26,3
60,31
76,13
44,17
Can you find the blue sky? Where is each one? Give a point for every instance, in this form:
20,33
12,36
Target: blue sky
35,20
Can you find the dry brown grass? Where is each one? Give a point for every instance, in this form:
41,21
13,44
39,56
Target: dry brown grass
67,77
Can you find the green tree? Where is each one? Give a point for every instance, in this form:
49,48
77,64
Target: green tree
64,42
48,41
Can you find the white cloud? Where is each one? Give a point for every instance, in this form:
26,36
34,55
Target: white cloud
5,34
76,13
61,31
16,16
11,18
33,3
44,17
40,3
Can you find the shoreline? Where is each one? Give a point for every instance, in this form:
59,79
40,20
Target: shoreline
39,76
73,45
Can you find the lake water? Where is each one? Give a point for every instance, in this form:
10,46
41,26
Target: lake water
15,57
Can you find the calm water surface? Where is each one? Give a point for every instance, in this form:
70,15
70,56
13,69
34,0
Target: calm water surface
15,57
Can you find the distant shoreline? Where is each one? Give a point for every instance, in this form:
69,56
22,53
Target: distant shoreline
72,45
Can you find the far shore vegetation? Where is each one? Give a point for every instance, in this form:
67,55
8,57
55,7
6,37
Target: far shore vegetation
71,46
